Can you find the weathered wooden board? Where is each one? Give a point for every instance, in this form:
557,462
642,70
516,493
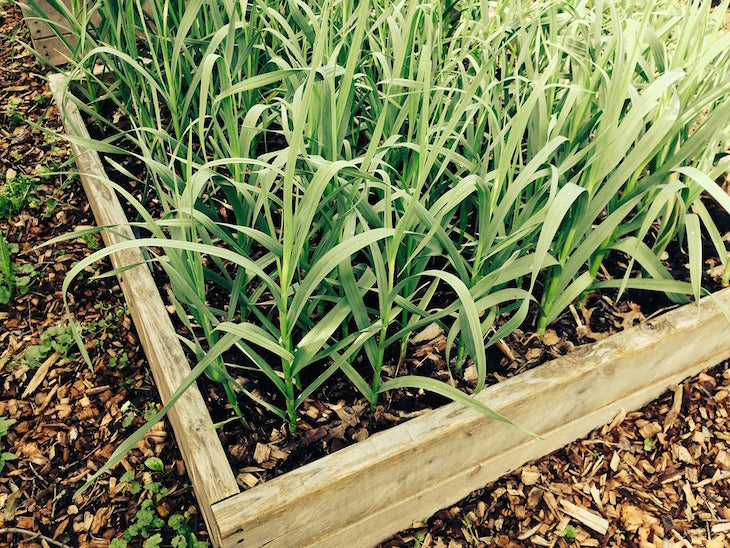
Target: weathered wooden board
53,49
204,457
368,491
45,41
39,28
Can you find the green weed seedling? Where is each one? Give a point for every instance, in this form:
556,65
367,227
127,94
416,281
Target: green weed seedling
121,360
568,532
14,279
11,111
130,412
41,99
15,194
5,456
102,330
54,339
148,525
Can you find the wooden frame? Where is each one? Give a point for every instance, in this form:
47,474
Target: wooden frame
45,41
368,491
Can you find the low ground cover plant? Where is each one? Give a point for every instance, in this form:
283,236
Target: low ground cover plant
330,177
5,456
14,278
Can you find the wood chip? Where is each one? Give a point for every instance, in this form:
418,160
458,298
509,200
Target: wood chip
721,527
615,460
648,431
689,496
261,453
550,338
618,419
40,374
528,533
681,454
673,413
246,480
429,333
530,477
723,460
586,517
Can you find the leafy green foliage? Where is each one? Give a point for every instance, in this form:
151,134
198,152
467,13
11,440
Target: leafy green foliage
15,279
130,412
12,112
568,532
145,520
56,338
148,525
5,456
154,464
15,194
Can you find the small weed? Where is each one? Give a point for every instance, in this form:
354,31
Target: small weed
568,532
121,360
90,241
54,339
148,524
131,412
11,111
15,193
112,315
102,330
41,100
15,279
5,456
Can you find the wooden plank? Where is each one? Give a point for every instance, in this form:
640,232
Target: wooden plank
44,39
368,491
53,49
40,28
205,460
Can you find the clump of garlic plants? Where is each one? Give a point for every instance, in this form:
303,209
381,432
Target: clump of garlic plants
345,173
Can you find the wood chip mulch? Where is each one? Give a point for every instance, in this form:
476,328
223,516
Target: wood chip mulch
654,477
68,417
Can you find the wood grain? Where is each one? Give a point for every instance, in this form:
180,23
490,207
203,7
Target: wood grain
204,457
53,50
40,28
368,491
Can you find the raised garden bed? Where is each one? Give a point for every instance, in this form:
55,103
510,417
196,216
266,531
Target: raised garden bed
381,485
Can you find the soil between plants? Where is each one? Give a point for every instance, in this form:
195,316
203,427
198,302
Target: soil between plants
499,514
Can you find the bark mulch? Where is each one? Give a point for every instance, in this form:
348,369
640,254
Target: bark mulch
654,477
63,416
